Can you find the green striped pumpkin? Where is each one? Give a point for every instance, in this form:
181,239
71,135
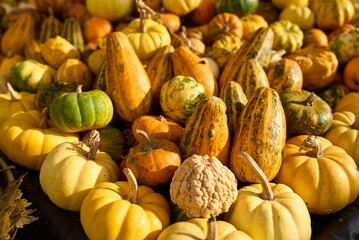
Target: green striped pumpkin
50,27
233,96
206,131
261,134
238,7
72,32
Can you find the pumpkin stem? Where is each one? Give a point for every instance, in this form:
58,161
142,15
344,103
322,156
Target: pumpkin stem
355,125
79,89
315,144
162,118
11,90
93,142
267,193
212,232
132,198
145,135
43,124
309,100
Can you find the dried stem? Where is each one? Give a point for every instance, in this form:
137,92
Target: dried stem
133,185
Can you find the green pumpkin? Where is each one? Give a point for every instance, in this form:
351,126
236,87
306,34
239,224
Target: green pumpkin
80,111
306,113
239,7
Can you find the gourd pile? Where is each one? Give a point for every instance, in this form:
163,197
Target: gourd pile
210,119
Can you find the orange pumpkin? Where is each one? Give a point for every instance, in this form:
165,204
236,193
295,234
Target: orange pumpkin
225,23
96,27
351,74
203,13
315,37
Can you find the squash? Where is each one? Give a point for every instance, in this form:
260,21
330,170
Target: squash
303,16
333,93
76,72
319,66
180,7
206,131
279,212
96,27
80,111
349,102
146,36
233,96
95,61
72,169
138,211
43,6
29,134
309,160
72,32
127,82
113,10
261,133
351,74
285,75
333,14
338,30
306,113
51,26
315,37
251,23
9,60
100,80
281,4
157,127
345,46
187,63
287,35
33,50
240,8
224,24
344,133
268,11
179,97
201,228
29,75
203,13
153,161
203,187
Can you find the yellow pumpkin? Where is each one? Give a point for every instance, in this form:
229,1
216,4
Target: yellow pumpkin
124,209
281,4
146,37
251,23
344,133
303,16
350,102
324,175
269,211
72,169
26,140
287,36
180,7
200,228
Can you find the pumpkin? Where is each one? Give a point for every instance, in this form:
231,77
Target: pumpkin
303,16
153,161
205,11
261,133
281,4
138,211
251,23
179,97
206,131
201,228
157,127
319,66
306,113
50,27
146,36
338,30
344,133
80,111
29,133
309,160
72,32
12,102
112,10
4,80
76,72
287,35
9,60
285,75
224,23
96,27
180,7
203,187
29,75
95,61
33,50
333,93
72,169
127,82
169,20
349,102
268,11
345,46
351,74
315,37
240,8
280,212
332,14
56,50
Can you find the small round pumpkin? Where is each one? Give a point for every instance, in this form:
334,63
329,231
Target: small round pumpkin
224,23
80,111
96,27
287,35
303,16
349,102
251,23
351,74
180,7
315,37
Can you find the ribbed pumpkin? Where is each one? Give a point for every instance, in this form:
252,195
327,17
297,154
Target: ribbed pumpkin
251,23
344,133
303,16
348,102
306,113
262,134
287,36
233,96
224,23
72,32
127,82
309,161
315,37
240,8
345,46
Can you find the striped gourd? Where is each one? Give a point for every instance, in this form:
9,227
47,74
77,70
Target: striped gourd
233,96
50,27
72,32
261,134
258,47
206,131
100,81
250,75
